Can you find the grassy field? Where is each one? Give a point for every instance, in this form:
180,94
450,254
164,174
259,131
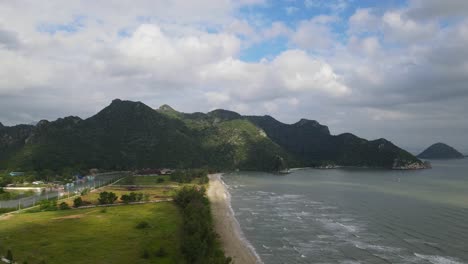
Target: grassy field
147,180
153,180
154,193
94,236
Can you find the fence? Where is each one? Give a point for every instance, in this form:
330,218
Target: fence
68,190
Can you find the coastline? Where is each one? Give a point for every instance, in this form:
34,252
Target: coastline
233,242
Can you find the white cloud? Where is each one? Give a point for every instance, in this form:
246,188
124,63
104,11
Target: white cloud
362,21
277,29
315,33
399,28
291,72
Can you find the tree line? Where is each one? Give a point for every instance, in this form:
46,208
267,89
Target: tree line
200,244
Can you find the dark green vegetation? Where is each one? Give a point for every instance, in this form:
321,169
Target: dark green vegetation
130,135
199,241
91,236
107,197
189,176
440,151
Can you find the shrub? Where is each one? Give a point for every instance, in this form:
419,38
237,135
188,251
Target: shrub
48,205
125,198
107,198
131,197
64,206
142,225
85,191
77,202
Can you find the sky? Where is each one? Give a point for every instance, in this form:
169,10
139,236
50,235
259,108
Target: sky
396,69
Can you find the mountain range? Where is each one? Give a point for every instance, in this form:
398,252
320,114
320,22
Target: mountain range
130,135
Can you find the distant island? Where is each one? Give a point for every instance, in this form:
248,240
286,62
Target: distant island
131,135
440,151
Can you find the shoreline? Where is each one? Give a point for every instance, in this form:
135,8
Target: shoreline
232,239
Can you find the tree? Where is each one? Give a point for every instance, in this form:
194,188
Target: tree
125,198
64,206
107,197
77,202
111,198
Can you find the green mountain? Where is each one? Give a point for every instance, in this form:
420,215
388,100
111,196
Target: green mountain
440,151
312,144
128,135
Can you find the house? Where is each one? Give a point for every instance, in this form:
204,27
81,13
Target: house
37,182
166,171
16,173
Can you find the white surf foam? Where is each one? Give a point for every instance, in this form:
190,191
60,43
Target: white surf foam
438,259
236,222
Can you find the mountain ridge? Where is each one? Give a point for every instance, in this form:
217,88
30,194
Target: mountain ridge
127,135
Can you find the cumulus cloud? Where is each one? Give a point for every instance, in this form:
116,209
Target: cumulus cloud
363,21
400,28
315,33
291,72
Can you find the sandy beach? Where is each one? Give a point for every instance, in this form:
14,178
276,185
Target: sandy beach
234,244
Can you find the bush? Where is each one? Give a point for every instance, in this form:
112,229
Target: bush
85,191
48,205
107,198
64,206
104,210
77,202
142,225
131,197
160,180
187,176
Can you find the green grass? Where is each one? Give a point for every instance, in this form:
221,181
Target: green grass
146,180
93,236
154,193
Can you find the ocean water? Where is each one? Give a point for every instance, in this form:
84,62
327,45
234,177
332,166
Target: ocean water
355,215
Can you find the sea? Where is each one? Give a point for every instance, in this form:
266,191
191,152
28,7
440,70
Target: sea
355,215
